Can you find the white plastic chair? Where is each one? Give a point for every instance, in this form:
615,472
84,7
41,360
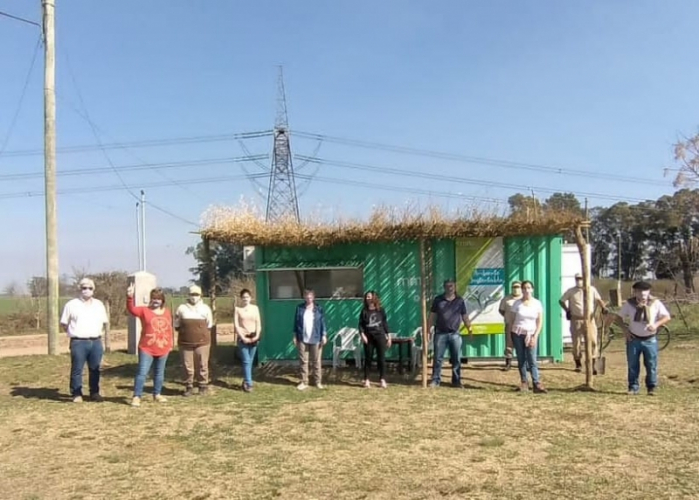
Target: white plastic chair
416,360
347,340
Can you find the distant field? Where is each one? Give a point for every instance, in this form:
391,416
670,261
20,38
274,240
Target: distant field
17,313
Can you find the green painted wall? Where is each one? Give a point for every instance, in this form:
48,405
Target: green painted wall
538,259
394,270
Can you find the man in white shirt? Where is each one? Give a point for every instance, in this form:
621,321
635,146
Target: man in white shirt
641,316
85,319
193,322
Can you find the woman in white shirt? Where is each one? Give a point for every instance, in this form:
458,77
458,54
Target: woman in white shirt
525,320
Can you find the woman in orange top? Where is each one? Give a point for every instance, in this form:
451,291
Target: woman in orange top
155,343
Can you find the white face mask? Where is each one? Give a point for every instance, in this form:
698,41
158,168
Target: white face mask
194,299
86,293
645,295
156,304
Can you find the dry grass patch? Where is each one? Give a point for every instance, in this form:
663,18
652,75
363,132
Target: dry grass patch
347,442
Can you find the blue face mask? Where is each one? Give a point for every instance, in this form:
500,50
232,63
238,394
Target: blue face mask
156,304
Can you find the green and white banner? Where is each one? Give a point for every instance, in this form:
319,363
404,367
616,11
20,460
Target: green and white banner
480,279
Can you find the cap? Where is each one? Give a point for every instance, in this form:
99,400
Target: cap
194,290
86,282
642,285
578,276
516,283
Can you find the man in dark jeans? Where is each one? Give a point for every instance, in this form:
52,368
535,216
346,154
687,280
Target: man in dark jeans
84,319
447,313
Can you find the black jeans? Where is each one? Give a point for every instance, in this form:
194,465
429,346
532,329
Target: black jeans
378,343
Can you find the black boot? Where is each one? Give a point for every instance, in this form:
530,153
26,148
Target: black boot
508,364
578,366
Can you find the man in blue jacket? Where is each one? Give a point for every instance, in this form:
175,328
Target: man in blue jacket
310,335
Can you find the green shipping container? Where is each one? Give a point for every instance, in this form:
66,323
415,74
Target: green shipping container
341,274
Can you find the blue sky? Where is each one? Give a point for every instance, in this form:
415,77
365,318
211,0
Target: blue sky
602,86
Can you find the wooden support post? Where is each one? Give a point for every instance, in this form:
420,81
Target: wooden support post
423,302
107,340
590,330
211,272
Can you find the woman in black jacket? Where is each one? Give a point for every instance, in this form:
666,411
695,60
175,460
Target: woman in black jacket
373,328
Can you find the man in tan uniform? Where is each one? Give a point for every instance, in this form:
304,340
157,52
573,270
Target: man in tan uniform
572,303
193,322
505,306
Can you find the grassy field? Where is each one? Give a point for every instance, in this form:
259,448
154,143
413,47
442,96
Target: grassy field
350,443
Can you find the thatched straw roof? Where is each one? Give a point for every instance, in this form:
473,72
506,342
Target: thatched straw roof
245,226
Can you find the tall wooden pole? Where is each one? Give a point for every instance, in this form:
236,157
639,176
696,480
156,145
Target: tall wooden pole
583,248
52,277
211,272
423,302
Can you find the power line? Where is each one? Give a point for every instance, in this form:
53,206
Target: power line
461,180
140,166
118,187
15,116
400,189
474,159
21,19
149,143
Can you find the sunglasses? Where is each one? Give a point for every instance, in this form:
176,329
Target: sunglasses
86,288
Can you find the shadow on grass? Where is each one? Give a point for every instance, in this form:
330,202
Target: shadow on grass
148,390
52,394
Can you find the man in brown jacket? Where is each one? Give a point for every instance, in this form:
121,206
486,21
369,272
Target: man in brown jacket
193,322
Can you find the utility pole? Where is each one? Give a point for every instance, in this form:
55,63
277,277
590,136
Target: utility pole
138,235
49,7
143,230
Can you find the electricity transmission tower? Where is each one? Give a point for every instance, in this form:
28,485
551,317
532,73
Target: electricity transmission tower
282,201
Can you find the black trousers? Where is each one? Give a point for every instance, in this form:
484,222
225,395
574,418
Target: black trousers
376,343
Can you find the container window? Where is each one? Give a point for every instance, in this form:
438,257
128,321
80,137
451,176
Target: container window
327,283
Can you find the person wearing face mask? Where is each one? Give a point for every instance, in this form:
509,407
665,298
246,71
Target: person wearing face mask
155,343
193,322
572,303
505,306
248,328
85,319
641,316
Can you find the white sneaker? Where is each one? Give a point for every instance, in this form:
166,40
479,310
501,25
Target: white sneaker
302,387
367,384
159,398
383,384
136,402
78,399
320,386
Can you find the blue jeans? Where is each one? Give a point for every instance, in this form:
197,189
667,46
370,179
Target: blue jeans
526,359
81,352
145,361
649,349
441,342
247,356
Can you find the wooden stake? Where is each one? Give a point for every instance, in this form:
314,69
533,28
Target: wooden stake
423,302
587,296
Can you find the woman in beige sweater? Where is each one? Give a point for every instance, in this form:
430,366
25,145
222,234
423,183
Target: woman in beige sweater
248,327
